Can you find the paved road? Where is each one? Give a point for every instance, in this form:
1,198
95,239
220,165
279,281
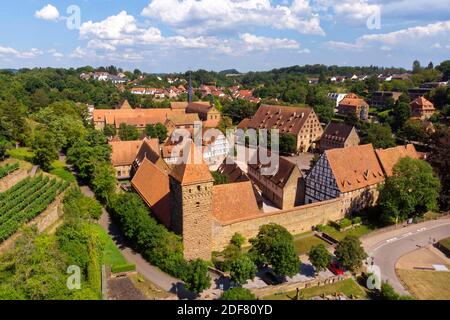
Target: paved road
148,271
387,248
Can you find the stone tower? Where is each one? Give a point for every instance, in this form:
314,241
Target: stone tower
191,187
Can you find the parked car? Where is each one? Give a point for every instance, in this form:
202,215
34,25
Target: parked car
270,278
336,269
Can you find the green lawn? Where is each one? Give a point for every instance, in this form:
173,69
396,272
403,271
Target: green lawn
111,254
60,169
338,235
304,242
348,287
24,154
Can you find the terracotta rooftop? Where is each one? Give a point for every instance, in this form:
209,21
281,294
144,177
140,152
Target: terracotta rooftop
233,172
283,171
390,157
152,184
194,170
353,100
286,119
337,131
355,167
150,151
244,123
178,105
184,119
234,201
198,107
422,103
124,152
125,106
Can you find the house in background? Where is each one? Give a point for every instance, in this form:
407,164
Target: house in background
337,97
390,157
123,155
338,135
379,98
422,109
354,105
300,122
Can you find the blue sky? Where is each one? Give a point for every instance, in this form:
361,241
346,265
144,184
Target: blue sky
176,35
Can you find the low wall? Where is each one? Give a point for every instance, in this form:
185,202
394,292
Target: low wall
12,179
296,220
288,287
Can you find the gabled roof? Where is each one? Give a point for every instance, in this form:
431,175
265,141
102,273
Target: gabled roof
337,131
124,152
422,103
244,123
198,107
125,106
352,100
233,172
390,157
150,151
152,184
194,170
184,119
178,105
283,171
355,167
286,119
234,201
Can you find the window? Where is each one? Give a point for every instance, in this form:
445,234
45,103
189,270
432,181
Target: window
199,188
197,204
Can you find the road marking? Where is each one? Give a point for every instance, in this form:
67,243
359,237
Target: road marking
421,229
391,240
406,235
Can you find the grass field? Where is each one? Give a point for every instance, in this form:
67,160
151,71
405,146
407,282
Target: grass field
60,169
348,287
111,254
426,285
339,235
305,241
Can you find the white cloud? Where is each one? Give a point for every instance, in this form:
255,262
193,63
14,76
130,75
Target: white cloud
211,16
354,10
253,42
404,37
48,12
8,51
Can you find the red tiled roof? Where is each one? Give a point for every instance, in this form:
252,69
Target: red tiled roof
355,167
390,157
124,152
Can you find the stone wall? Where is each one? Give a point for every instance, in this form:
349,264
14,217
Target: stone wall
12,179
296,220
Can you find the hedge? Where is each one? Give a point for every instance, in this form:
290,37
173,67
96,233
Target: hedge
123,268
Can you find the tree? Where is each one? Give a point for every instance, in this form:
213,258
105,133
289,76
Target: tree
242,269
197,278
416,67
150,131
402,113
219,178
430,65
161,132
380,135
319,257
288,143
104,180
45,151
387,292
414,130
349,253
410,192
128,132
444,67
237,240
4,145
238,294
274,246
439,158
109,130
373,84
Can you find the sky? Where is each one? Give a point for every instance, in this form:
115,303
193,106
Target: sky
248,35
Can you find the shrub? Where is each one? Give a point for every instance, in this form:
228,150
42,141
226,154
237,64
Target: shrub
123,268
357,220
344,223
236,294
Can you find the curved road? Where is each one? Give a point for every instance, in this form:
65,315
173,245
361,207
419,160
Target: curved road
387,248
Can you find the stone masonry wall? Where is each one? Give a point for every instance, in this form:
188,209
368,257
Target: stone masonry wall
296,220
12,179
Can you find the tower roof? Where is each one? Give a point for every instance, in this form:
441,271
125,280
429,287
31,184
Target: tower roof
125,105
193,170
